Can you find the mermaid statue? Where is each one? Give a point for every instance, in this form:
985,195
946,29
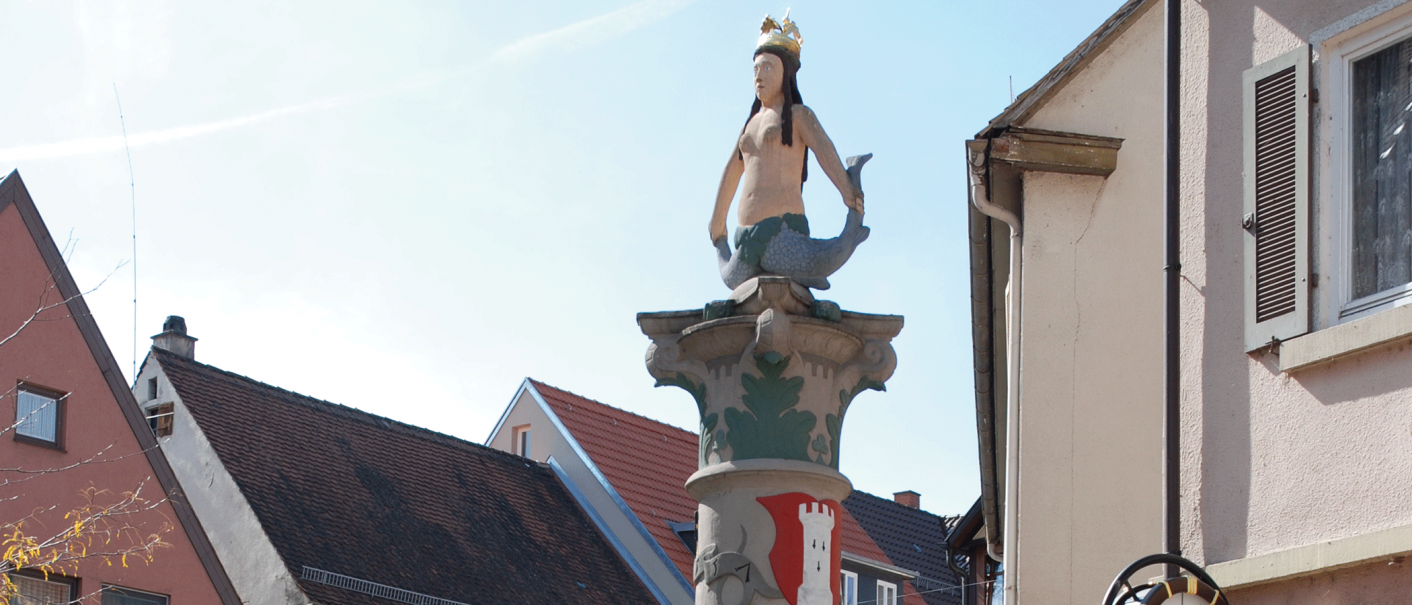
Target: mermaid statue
769,164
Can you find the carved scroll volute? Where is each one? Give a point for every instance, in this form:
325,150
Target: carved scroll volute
876,361
665,362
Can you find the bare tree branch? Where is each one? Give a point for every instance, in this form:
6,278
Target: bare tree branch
43,307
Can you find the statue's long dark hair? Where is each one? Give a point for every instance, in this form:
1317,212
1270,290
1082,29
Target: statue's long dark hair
792,96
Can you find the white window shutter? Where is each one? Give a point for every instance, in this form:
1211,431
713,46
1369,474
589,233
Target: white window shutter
1276,213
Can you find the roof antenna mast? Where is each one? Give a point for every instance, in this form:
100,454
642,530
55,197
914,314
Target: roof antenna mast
132,188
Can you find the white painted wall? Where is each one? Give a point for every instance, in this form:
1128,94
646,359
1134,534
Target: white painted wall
250,560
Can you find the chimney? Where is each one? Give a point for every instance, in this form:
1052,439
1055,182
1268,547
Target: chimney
908,498
173,338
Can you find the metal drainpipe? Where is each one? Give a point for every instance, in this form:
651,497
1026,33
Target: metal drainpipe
980,196
1171,511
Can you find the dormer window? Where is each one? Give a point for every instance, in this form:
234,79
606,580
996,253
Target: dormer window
39,416
686,532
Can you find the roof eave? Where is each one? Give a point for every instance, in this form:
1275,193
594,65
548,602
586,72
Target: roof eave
1032,99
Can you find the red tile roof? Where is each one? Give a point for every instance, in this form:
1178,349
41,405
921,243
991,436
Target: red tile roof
648,463
345,491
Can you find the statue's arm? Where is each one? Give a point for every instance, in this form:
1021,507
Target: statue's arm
807,125
730,180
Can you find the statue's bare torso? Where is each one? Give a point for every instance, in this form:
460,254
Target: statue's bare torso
770,184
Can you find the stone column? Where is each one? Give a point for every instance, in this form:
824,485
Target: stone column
773,372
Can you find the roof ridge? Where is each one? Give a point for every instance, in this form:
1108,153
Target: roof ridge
904,506
611,407
345,411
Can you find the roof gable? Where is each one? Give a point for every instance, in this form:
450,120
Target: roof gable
16,205
347,492
648,463
1033,98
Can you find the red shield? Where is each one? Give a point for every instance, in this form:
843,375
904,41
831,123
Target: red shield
808,533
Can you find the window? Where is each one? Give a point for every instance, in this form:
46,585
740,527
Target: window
887,593
39,416
848,588
1371,213
152,388
686,532
522,441
159,417
115,595
31,590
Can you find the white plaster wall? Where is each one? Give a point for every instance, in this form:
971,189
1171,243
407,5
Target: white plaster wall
250,560
524,411
1091,379
1272,460
546,441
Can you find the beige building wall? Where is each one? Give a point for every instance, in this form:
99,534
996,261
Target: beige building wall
1278,462
1091,335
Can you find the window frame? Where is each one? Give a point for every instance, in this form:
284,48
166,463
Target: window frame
160,418
1338,54
523,441
843,587
889,586
60,406
113,588
53,578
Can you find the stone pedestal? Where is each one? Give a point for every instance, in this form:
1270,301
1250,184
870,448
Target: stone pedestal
773,372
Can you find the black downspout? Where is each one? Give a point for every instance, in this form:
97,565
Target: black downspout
1171,424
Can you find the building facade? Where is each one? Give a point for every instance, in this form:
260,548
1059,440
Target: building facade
76,447
1295,243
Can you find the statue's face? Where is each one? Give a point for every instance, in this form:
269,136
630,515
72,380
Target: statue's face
769,76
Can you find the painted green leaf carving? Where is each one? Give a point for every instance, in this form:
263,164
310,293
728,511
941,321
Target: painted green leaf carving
834,424
770,428
709,440
698,391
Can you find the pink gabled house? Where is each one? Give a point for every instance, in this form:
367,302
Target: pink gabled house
76,437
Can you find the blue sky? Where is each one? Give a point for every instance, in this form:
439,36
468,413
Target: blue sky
409,208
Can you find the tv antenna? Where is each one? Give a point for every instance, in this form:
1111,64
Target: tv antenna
132,189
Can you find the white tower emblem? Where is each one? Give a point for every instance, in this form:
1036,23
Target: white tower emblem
817,585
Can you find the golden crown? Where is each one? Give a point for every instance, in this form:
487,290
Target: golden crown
783,36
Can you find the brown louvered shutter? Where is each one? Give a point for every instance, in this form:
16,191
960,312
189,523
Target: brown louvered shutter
1276,217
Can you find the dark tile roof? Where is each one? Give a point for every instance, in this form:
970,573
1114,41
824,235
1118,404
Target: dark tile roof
355,494
648,463
913,539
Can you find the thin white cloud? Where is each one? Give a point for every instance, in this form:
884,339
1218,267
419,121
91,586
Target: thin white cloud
570,38
115,143
592,31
